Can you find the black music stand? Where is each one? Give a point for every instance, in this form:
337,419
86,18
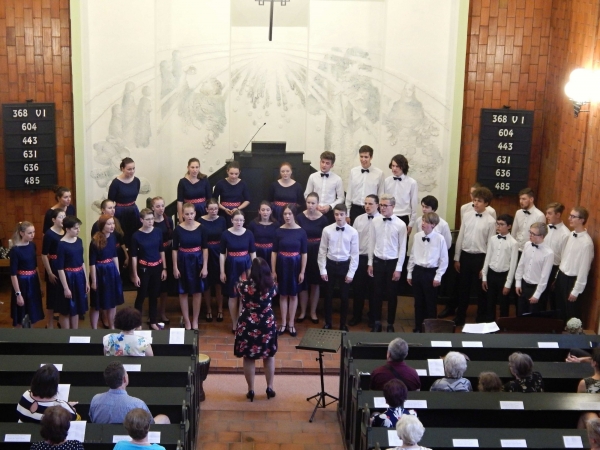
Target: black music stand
321,341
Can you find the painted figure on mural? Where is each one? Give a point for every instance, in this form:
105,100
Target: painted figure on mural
142,119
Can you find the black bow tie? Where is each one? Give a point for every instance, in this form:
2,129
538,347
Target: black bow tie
324,175
574,234
552,227
479,215
370,217
534,245
387,218
339,228
398,178
425,239
526,212
501,237
364,170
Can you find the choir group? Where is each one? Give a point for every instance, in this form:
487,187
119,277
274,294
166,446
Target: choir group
312,238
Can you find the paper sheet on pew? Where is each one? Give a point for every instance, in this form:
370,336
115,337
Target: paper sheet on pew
146,333
58,366
79,339
153,437
77,431
177,336
465,442
379,402
132,367
436,367
573,441
393,439
63,392
17,437
513,443
480,328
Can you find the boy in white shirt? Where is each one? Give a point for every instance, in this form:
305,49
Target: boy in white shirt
525,217
469,206
365,179
558,234
430,204
327,184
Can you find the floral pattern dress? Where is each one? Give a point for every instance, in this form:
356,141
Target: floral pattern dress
256,336
119,344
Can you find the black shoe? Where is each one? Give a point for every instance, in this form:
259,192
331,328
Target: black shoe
300,319
446,312
220,316
355,322
376,327
270,393
250,395
209,317
390,328
327,326
315,321
292,331
281,330
344,328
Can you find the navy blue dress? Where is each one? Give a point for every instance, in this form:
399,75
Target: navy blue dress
120,252
280,196
48,217
23,265
49,249
238,249
166,228
290,245
70,259
189,246
196,193
264,235
230,196
124,195
314,231
109,289
213,229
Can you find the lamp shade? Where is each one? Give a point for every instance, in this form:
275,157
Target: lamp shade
580,86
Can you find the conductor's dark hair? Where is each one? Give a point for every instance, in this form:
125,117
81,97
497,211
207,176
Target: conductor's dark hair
366,149
507,218
260,274
125,161
430,201
70,222
45,381
401,162
128,319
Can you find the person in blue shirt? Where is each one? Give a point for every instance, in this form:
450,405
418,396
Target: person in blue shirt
137,423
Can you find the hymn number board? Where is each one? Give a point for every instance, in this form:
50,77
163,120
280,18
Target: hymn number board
29,131
504,148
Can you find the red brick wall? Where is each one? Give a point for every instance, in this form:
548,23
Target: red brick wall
35,63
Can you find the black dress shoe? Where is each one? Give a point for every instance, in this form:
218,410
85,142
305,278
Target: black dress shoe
344,328
376,327
390,329
355,322
327,326
446,312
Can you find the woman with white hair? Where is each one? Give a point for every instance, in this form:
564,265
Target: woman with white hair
455,365
526,380
410,430
593,430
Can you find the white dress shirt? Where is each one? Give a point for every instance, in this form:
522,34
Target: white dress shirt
576,259
475,232
388,240
428,253
522,223
329,188
406,193
362,224
339,245
501,256
362,184
469,207
442,228
557,239
535,266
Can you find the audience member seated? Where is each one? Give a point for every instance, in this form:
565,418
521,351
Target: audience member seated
593,430
489,382
137,423
113,406
455,365
396,368
395,394
574,326
126,343
56,422
591,385
526,380
410,430
42,395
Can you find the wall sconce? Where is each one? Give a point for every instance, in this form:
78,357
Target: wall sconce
581,88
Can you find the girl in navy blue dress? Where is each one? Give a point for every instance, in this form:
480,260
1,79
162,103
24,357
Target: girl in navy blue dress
213,226
289,265
285,191
190,264
63,201
124,190
313,222
148,264
193,188
231,192
165,224
26,298
264,228
49,255
107,291
237,252
71,272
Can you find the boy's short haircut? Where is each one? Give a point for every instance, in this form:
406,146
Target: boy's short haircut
374,197
583,213
541,227
340,207
527,191
430,201
366,149
484,194
329,156
431,218
556,206
506,218
476,185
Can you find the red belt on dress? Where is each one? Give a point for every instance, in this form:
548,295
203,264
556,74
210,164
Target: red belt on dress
104,261
237,253
26,272
52,256
213,242
126,204
166,244
195,200
267,245
314,240
150,264
231,204
289,254
190,249
73,269
280,203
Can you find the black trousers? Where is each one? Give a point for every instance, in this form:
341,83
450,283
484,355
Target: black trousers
403,282
336,273
494,295
523,305
562,290
355,211
548,296
149,287
385,287
330,216
470,266
425,294
363,287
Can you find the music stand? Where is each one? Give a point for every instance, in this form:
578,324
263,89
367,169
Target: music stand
321,341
